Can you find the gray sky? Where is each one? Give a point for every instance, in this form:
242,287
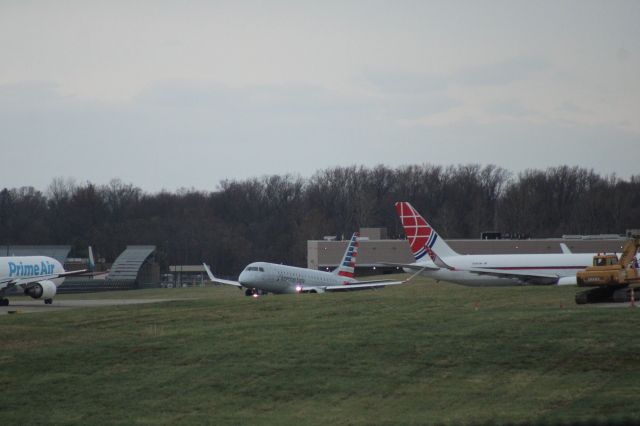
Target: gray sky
170,94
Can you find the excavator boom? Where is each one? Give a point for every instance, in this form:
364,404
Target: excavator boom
630,250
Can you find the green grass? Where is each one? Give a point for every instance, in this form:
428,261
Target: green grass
415,354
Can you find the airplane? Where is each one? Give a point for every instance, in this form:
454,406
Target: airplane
38,276
260,278
441,262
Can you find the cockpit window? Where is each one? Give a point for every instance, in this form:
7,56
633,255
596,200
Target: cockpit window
255,268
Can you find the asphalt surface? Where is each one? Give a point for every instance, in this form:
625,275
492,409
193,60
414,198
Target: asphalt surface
19,306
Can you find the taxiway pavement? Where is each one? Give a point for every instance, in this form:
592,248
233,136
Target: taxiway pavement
18,306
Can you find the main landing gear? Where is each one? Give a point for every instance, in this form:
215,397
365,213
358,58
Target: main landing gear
48,301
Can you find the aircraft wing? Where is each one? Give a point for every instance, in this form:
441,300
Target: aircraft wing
525,277
356,287
69,273
220,280
348,287
362,285
8,282
413,266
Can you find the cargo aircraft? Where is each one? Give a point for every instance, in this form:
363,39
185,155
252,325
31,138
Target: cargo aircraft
37,276
439,261
261,277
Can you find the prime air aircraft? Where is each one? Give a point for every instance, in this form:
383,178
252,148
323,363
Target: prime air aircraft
439,261
38,276
261,277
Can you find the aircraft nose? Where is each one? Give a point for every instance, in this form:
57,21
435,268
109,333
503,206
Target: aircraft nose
246,278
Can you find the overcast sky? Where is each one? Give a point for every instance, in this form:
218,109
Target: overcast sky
170,94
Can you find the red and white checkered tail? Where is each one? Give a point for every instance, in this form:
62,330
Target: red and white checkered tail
423,239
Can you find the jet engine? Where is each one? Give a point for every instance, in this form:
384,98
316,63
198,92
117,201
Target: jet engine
570,280
42,290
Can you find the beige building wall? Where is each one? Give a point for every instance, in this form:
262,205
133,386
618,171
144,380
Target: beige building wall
323,254
327,254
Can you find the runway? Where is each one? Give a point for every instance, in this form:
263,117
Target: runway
19,306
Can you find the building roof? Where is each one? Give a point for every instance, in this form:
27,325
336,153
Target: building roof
186,268
59,253
129,262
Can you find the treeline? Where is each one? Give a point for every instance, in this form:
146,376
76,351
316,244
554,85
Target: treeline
272,217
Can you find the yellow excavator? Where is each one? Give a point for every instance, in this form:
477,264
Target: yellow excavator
613,278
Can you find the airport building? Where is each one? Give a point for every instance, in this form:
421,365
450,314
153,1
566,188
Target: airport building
376,249
185,275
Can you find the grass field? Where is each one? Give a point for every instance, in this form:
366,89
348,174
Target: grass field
414,354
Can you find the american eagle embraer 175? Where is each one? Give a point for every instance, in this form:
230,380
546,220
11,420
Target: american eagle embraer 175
487,270
262,277
38,276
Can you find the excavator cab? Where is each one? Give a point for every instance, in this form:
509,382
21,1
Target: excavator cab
605,260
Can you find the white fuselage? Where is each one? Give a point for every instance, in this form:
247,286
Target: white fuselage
562,265
275,278
24,267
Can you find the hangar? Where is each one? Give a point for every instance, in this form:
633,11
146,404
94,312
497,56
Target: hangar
134,268
135,263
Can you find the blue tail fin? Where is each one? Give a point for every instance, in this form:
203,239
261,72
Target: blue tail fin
348,263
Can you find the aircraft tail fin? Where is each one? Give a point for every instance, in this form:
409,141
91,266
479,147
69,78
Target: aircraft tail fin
347,265
422,237
565,249
92,262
